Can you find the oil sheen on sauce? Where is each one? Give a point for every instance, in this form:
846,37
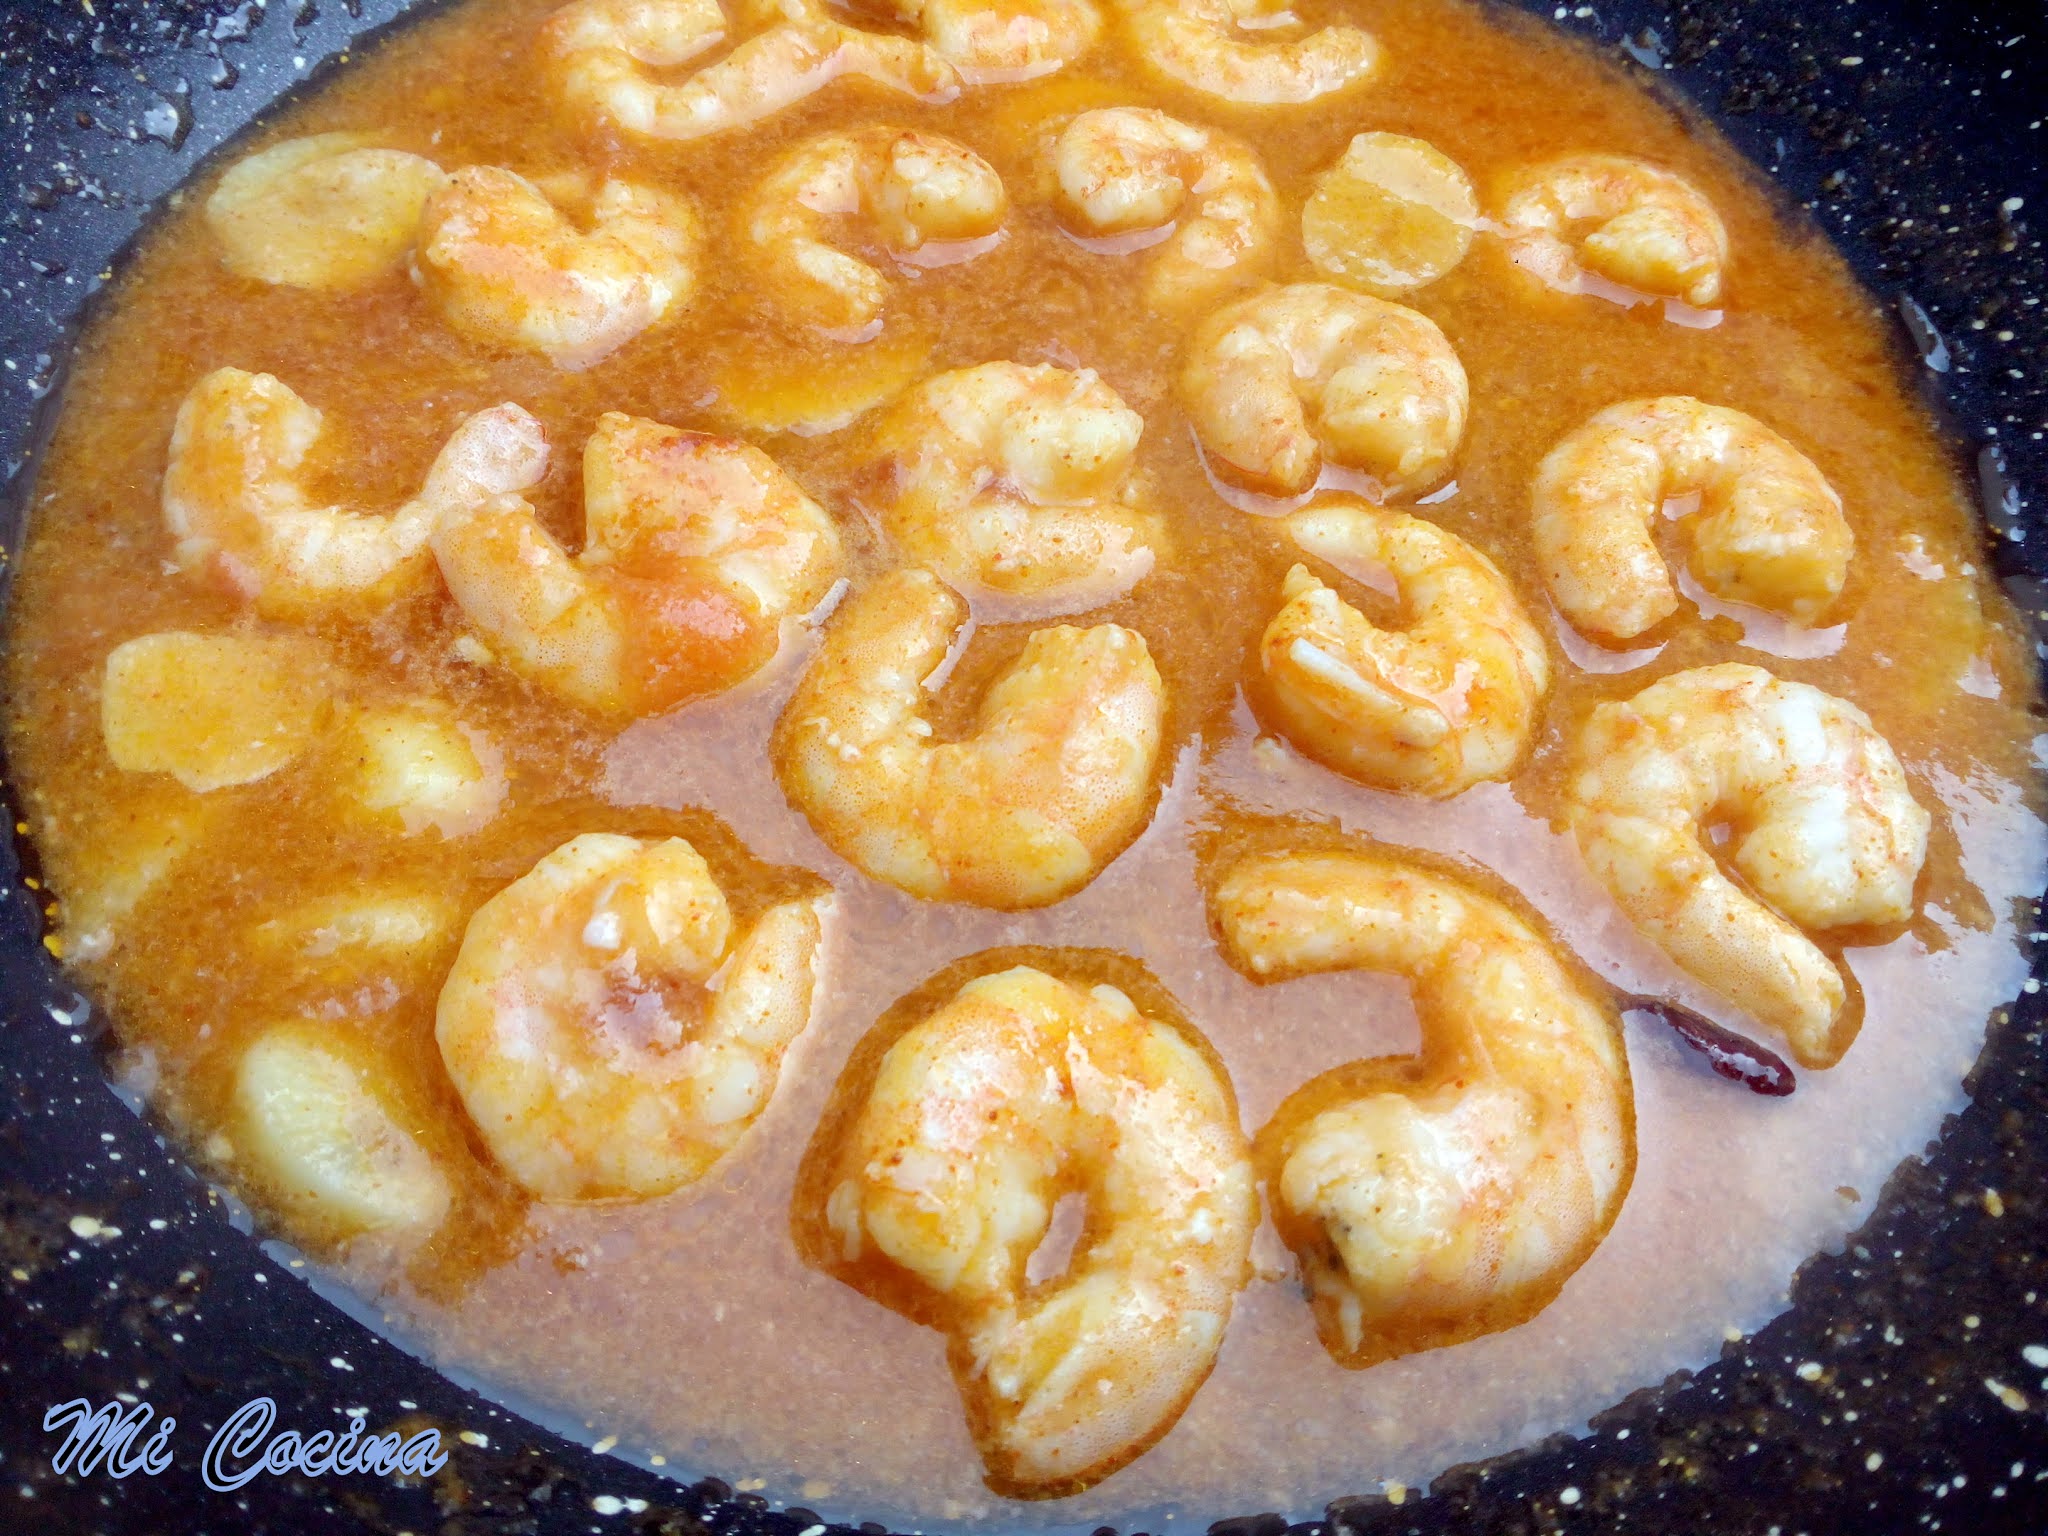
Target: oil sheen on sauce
688,1327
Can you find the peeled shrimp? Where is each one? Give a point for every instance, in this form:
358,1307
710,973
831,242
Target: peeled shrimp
1129,170
1225,48
1434,1198
507,269
607,1032
316,1132
695,550
1653,232
1003,41
233,500
1769,529
1021,1089
1011,482
917,191
606,56
1280,381
1826,834
1432,707
331,211
1056,779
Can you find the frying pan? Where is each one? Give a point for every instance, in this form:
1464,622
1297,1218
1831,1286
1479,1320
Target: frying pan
1898,1392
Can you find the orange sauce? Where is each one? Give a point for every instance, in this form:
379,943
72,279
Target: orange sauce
690,1327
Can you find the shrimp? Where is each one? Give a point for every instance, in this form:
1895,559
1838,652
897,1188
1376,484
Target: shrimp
1435,1198
695,549
999,42
927,197
211,711
313,1126
328,212
1432,708
1278,381
608,1034
1125,170
1012,482
1225,49
233,500
1021,1089
1826,834
507,269
1654,232
1055,781
602,54
1769,529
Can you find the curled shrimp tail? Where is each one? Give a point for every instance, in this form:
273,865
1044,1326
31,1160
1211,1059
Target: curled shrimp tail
1827,835
1446,697
1769,529
1055,780
1206,45
1433,1200
233,498
944,1177
603,51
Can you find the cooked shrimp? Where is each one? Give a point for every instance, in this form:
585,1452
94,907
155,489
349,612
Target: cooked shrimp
695,550
993,42
1022,1089
1285,378
212,711
1226,48
1433,707
1012,482
330,211
313,1126
608,1034
233,500
1825,834
923,195
1056,779
1653,232
1435,1198
1126,170
507,269
1769,529
606,54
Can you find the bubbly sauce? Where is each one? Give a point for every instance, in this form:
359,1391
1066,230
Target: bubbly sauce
688,1327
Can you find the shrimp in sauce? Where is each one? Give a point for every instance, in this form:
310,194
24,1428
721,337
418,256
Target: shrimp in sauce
1768,530
695,550
234,500
1825,834
1432,1199
927,199
609,1033
1015,484
1020,1089
1431,705
1121,171
1280,381
1055,780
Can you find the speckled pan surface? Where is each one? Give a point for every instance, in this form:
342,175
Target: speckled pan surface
1900,1393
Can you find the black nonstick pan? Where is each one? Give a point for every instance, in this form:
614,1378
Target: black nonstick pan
1905,1390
